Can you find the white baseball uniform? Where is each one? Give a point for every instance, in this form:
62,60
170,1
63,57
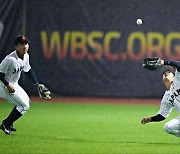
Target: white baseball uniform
12,66
170,100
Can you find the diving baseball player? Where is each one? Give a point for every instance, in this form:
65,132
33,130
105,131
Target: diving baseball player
10,72
171,98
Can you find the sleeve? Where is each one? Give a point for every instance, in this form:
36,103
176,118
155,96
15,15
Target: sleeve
3,79
157,118
27,67
173,63
165,107
32,76
5,64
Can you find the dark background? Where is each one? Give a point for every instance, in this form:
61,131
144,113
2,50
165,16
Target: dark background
123,77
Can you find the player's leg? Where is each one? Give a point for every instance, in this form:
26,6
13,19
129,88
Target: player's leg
12,128
21,101
3,94
173,127
9,118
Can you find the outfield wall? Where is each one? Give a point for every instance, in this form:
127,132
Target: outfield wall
96,100
93,48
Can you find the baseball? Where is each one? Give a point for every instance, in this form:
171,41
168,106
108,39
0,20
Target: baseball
139,21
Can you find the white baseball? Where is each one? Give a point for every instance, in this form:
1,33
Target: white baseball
139,21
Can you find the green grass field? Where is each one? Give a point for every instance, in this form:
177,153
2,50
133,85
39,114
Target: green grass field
87,128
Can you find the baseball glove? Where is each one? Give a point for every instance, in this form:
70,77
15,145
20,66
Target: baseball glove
44,93
151,63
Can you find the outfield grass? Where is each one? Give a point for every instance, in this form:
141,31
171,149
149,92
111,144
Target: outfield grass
87,128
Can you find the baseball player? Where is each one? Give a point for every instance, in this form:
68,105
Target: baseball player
10,72
171,98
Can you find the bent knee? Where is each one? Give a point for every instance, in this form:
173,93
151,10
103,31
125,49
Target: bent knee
171,128
23,109
27,107
167,128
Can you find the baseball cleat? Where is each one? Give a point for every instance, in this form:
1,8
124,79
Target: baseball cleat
5,129
12,128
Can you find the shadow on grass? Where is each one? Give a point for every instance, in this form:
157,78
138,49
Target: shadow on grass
79,140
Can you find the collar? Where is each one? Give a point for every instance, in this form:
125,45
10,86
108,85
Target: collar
17,57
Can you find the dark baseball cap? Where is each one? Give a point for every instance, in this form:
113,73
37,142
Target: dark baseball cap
21,39
166,68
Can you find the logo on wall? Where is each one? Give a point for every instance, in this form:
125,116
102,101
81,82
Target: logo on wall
96,45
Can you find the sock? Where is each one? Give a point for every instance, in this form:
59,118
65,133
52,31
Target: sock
13,116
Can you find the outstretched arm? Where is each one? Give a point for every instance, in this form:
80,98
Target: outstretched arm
173,63
44,93
32,76
155,118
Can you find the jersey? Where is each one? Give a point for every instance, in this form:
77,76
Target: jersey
165,107
171,98
12,66
174,97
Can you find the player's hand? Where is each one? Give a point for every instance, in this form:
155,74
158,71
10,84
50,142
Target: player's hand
145,120
162,62
10,88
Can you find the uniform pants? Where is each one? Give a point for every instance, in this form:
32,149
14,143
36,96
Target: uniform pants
173,126
19,98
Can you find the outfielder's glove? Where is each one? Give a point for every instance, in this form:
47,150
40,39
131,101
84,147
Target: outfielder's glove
44,93
151,63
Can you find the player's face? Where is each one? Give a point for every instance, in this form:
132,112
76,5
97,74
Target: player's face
168,76
22,49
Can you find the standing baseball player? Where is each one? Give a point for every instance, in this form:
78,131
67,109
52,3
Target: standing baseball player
10,72
171,98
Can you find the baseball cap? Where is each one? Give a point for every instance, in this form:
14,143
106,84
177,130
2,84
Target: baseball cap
166,68
20,40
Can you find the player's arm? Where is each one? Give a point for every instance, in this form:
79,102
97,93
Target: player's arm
173,63
3,79
164,112
6,83
155,118
32,76
44,93
5,64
